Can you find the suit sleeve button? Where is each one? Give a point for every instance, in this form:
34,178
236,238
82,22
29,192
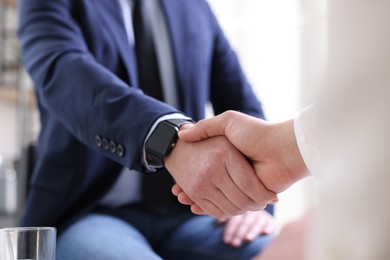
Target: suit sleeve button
120,151
113,147
98,141
105,144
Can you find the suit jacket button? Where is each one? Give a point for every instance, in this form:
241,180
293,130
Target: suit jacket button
120,151
105,144
113,147
98,141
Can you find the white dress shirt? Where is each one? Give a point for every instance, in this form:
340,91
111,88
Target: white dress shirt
127,188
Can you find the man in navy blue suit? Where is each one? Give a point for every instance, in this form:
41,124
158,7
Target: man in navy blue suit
115,81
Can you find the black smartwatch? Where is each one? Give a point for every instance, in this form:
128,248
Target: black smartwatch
163,139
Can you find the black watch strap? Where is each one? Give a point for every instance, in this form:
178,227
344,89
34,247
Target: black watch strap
155,153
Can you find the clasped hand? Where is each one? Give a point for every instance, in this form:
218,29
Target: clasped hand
233,163
216,178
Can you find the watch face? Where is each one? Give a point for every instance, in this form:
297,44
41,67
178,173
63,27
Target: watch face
161,139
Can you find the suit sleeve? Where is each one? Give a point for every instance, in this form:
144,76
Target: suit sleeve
80,93
230,89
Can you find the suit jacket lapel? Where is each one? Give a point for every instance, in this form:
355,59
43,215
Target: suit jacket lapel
111,15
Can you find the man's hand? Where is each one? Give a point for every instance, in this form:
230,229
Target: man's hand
247,227
217,178
272,148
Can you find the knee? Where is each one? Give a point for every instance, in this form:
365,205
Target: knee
80,249
101,237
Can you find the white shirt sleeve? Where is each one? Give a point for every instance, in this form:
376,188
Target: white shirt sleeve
303,136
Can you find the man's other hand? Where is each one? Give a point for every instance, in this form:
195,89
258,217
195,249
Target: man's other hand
247,227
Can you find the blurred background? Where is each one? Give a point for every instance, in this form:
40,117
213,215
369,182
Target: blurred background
281,44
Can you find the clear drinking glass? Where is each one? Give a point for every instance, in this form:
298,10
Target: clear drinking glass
32,243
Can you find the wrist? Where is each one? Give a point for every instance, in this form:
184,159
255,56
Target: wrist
178,144
163,140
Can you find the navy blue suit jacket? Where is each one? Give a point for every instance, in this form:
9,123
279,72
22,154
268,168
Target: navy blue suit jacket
85,75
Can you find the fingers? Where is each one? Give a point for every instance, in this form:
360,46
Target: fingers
197,210
184,199
216,177
226,195
202,130
235,194
181,196
244,177
220,200
209,207
229,236
269,228
222,210
176,189
250,229
242,186
240,191
208,128
261,225
247,227
246,230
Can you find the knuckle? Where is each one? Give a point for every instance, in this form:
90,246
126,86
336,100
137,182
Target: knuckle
248,204
219,146
210,175
208,168
219,150
230,113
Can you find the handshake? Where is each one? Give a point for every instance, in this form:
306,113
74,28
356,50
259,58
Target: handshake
234,163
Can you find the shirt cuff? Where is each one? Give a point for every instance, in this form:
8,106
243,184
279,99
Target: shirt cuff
153,168
302,142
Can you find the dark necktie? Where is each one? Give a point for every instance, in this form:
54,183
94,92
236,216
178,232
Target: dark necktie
156,189
148,72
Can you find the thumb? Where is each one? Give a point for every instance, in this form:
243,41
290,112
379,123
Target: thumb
206,128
